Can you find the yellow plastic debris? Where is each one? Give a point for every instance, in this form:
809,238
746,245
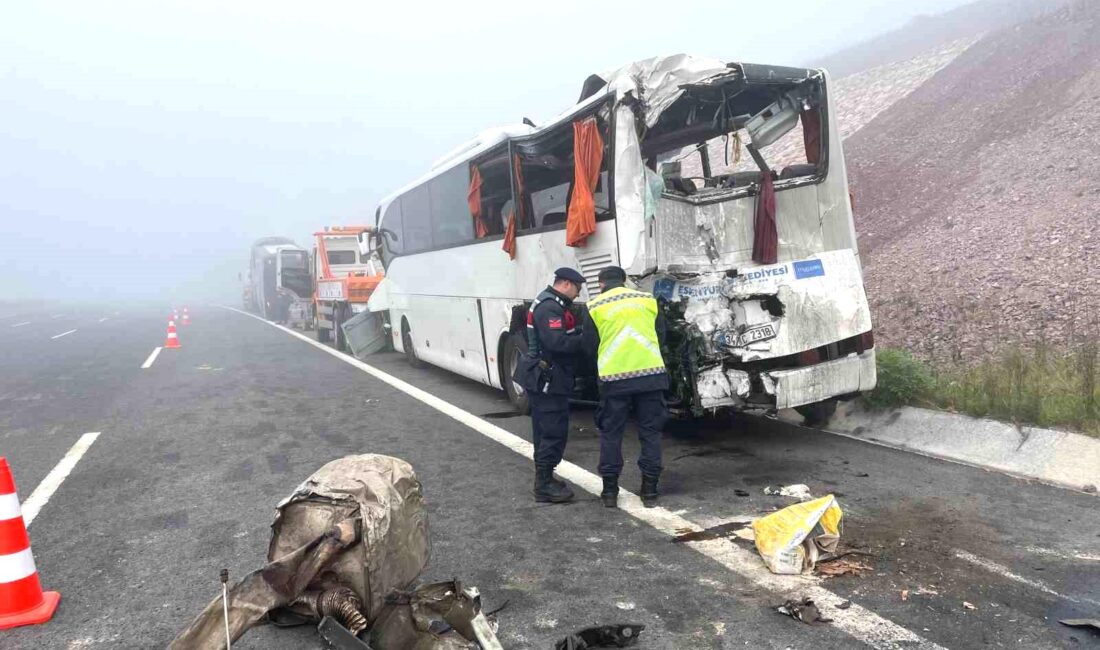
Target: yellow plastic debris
791,540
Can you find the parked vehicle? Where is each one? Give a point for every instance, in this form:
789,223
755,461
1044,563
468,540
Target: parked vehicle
279,281
344,278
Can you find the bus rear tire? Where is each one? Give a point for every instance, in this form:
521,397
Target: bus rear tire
819,414
513,349
407,343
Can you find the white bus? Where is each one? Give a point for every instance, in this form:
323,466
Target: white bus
707,193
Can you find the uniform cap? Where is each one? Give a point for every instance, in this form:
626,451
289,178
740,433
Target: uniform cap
566,273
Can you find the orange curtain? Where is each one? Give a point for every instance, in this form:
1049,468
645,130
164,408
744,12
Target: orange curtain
473,198
510,235
765,238
517,168
811,135
587,156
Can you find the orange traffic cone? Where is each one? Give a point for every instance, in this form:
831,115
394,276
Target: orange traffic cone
173,341
22,601
186,317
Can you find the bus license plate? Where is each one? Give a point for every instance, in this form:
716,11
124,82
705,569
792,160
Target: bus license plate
756,333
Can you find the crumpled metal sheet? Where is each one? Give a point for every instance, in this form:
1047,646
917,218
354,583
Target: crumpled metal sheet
655,81
659,80
386,495
821,299
436,616
273,586
359,521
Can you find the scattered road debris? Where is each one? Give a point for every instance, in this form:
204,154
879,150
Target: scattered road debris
904,595
798,491
741,493
844,605
746,533
792,540
604,636
803,610
967,605
626,607
842,566
1094,623
714,532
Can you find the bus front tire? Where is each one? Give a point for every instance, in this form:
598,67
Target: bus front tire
513,350
407,343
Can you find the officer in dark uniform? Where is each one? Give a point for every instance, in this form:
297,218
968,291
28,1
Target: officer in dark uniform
554,341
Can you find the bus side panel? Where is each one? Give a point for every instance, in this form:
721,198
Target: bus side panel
446,332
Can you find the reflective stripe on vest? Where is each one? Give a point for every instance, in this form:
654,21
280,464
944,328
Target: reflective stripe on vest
626,320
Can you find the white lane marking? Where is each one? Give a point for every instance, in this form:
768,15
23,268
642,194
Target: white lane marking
26,322
102,319
57,336
856,621
57,475
152,358
1005,572
16,566
1087,557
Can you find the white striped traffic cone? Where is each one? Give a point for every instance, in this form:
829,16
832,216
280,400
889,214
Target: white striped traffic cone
22,601
172,340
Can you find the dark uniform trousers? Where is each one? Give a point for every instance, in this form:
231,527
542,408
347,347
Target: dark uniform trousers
651,414
550,428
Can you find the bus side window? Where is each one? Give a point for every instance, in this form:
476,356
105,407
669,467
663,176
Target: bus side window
392,221
548,173
548,176
416,217
496,190
451,222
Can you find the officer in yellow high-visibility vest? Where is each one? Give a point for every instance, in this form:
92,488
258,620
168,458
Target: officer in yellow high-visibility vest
625,335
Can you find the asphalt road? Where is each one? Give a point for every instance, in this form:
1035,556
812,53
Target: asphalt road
195,451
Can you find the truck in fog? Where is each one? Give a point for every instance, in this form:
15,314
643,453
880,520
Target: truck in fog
279,284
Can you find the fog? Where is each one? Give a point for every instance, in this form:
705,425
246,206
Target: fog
146,145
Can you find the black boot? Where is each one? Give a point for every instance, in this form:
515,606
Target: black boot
649,491
547,490
610,494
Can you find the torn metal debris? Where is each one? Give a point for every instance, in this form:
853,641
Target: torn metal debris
803,610
604,636
346,545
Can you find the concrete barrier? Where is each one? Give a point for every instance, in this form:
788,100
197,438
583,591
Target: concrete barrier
1061,458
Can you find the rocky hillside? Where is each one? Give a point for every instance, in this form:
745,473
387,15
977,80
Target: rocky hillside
978,194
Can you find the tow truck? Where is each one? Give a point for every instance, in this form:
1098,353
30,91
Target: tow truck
344,277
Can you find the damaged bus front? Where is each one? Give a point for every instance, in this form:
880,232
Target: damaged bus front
733,209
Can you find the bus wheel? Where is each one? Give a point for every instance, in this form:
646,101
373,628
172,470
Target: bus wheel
513,350
819,414
407,343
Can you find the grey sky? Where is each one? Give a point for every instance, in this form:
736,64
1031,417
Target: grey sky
146,144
